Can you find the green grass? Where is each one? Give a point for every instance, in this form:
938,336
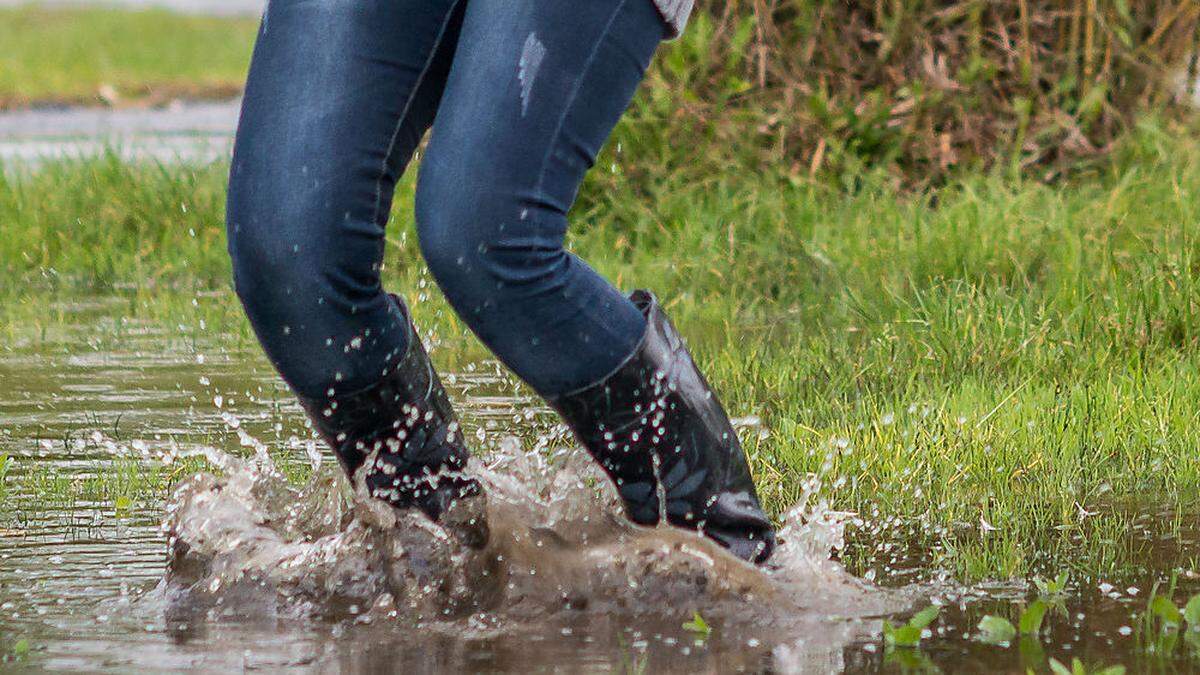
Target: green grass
86,55
999,351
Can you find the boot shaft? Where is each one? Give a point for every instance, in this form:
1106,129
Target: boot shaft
403,429
659,431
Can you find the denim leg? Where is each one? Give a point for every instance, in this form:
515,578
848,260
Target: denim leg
338,97
533,93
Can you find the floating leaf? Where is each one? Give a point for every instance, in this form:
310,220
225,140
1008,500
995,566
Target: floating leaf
1049,589
909,634
1031,619
698,625
21,648
901,636
1162,607
996,630
924,617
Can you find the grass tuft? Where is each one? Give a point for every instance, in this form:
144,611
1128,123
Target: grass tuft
1009,367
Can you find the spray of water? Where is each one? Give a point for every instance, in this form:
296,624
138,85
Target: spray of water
247,543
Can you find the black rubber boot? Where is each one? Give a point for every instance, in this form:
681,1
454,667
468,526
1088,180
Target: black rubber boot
655,425
406,427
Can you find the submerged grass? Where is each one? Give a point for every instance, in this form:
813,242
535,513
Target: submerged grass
101,55
1006,366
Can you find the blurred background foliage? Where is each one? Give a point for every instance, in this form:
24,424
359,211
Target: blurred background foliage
910,90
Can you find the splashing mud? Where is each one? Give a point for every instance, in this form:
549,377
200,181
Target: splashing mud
560,560
269,576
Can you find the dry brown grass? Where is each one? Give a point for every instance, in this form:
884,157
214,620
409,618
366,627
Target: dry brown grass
921,86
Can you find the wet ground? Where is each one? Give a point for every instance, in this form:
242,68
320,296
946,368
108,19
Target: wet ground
90,579
295,572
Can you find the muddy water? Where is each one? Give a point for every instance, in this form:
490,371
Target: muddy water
240,567
266,558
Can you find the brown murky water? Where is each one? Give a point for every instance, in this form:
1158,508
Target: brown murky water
242,567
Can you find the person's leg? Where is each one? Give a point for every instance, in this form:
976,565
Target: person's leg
533,93
338,97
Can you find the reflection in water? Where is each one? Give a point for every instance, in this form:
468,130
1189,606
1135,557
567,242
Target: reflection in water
266,573
106,418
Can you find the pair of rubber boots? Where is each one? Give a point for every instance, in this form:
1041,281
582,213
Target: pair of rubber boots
654,425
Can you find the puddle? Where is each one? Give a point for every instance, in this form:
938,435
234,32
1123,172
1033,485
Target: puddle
560,563
243,568
181,132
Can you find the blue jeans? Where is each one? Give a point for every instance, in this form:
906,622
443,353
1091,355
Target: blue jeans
521,94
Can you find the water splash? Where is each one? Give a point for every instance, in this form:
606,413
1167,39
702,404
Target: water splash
561,558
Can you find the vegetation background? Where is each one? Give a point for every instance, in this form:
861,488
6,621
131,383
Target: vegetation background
916,89
948,252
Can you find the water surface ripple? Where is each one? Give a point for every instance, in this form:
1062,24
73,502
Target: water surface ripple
246,567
